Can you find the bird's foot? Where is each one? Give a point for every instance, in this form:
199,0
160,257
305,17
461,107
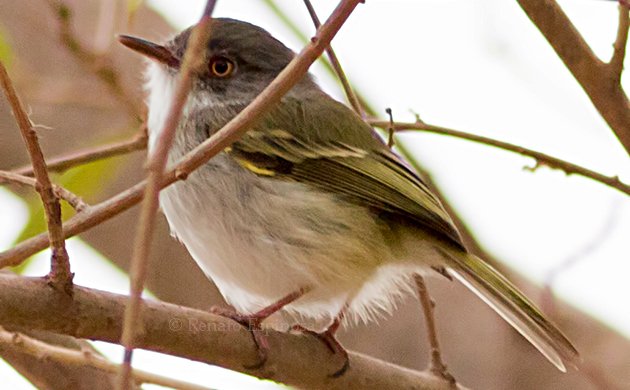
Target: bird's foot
253,323
328,338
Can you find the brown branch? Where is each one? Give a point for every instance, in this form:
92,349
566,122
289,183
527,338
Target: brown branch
73,200
436,365
80,222
100,65
541,158
334,61
71,357
621,41
121,202
60,275
193,63
65,162
599,80
296,360
52,374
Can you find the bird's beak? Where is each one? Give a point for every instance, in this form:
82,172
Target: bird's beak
152,50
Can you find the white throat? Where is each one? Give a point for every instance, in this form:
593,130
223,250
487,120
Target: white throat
160,87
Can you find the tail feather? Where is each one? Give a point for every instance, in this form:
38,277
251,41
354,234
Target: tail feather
494,289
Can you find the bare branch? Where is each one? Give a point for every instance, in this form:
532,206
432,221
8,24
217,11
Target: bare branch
60,275
65,162
598,79
436,365
296,360
619,53
52,374
341,75
83,358
80,222
541,158
192,64
73,200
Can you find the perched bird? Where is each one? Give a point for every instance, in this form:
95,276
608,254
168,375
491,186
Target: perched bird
309,213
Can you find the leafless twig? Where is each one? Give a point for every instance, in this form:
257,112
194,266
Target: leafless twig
60,275
390,128
65,162
436,365
619,53
341,75
73,200
541,158
192,64
85,358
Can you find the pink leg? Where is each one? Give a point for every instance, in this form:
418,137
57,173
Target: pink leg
328,338
253,322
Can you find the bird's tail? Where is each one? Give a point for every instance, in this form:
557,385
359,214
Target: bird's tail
494,289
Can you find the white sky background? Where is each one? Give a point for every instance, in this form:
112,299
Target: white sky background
478,66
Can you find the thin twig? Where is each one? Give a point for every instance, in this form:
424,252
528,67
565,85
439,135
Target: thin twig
192,64
541,158
71,357
436,365
72,199
341,75
123,201
63,163
98,64
60,275
619,53
390,128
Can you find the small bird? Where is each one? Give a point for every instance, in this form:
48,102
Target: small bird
310,213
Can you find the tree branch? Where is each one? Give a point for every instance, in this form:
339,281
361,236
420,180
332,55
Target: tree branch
73,200
294,359
192,64
619,52
60,275
334,61
599,80
65,162
82,358
49,374
541,158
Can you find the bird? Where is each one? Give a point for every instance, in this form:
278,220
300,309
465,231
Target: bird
309,214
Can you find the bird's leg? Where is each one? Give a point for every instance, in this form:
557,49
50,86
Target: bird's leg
328,338
253,322
436,366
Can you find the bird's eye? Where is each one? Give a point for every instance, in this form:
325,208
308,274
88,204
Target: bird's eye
221,67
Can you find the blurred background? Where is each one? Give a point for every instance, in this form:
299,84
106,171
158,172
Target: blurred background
476,65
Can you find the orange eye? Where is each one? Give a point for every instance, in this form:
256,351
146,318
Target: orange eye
221,67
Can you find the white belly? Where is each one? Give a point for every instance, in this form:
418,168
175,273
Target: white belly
260,239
